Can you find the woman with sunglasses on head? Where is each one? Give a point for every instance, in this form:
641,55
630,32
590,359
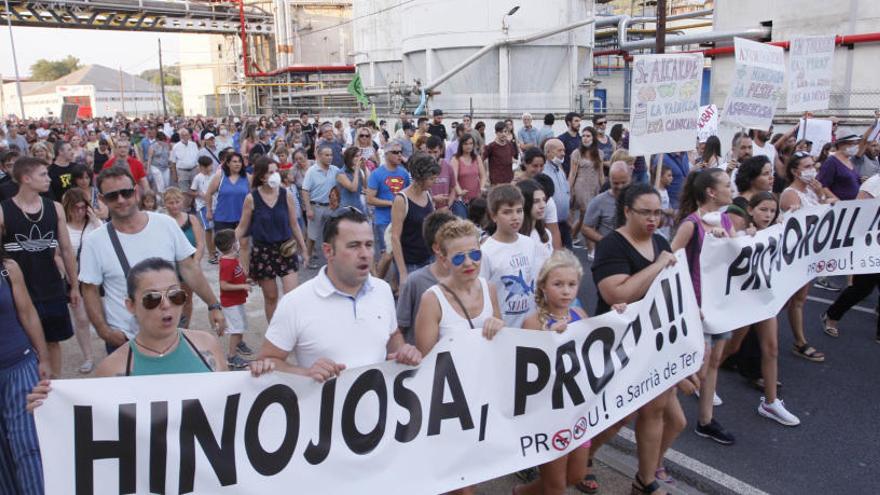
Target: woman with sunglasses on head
409,209
804,191
80,221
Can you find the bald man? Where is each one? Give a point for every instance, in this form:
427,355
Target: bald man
601,214
554,151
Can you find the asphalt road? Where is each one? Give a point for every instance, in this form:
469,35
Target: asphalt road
834,450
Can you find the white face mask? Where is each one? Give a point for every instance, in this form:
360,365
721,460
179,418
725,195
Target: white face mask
851,150
274,180
223,132
557,161
809,175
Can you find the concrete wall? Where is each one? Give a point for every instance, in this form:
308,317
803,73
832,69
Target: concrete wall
206,61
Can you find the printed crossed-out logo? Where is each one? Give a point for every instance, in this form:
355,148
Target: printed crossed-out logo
559,441
671,311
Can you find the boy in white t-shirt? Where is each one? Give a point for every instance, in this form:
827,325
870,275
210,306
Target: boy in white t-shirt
200,188
509,257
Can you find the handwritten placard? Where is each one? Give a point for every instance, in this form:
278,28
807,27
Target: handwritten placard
758,83
707,124
810,72
666,102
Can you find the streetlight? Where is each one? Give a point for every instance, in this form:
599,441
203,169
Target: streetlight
504,26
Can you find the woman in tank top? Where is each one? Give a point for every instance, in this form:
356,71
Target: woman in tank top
470,177
804,191
195,234
231,187
409,209
462,299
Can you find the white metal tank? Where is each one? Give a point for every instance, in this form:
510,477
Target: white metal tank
376,32
539,76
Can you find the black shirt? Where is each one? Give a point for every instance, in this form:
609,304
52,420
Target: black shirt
62,180
31,240
100,160
616,256
438,130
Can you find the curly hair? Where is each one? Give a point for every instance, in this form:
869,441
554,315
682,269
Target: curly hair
559,259
455,229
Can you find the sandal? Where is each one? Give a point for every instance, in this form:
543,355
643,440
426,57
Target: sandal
663,475
590,484
831,331
640,488
809,353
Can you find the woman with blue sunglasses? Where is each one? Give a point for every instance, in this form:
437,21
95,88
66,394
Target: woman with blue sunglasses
461,299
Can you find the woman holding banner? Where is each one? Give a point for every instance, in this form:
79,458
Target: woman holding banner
753,176
705,193
804,191
626,263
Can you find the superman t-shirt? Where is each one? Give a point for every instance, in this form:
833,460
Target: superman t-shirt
387,183
512,267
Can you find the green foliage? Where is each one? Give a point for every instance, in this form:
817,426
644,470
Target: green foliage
175,102
172,76
49,70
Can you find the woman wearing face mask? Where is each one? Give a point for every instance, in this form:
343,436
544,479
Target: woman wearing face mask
268,217
223,139
586,175
805,191
838,173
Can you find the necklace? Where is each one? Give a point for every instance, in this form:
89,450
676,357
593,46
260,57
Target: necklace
154,351
29,216
566,317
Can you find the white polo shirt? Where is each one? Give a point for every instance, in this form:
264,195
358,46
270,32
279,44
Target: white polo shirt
185,156
315,320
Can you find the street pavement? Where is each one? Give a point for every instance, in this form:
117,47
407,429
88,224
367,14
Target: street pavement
834,450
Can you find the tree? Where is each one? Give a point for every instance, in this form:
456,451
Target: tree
49,70
172,75
175,102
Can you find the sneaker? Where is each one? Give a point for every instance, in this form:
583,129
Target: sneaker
87,366
578,243
776,411
714,431
237,362
823,283
243,349
716,401
528,475
590,256
213,260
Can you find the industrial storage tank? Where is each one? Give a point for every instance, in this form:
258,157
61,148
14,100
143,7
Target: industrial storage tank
427,38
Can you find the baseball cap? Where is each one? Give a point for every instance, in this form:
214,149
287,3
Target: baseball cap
438,113
407,126
209,135
849,137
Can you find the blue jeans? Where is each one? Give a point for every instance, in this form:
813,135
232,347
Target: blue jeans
21,470
379,238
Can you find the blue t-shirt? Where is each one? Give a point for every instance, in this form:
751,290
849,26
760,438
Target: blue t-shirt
387,183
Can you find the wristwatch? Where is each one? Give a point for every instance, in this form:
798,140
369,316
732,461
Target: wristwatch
212,307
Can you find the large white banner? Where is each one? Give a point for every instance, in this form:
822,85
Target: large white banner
666,102
474,410
810,72
762,272
757,85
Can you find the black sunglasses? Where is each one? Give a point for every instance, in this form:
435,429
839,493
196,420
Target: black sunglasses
152,300
394,152
114,195
342,210
364,135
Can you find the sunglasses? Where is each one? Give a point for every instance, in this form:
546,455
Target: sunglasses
458,259
394,152
114,195
364,136
601,123
152,300
342,210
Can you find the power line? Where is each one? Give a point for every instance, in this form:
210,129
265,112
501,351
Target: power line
344,23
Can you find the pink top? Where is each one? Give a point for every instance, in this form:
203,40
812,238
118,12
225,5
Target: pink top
469,177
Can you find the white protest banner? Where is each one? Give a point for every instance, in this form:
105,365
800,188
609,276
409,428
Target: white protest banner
474,410
707,124
757,85
762,272
666,103
810,72
875,131
816,131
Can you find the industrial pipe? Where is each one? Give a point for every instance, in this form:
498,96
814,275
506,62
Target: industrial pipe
847,39
696,38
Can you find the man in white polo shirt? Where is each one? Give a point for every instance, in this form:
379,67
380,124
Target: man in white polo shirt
184,160
363,327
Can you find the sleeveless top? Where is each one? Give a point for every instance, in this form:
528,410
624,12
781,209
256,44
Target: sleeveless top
183,359
606,149
16,344
808,197
573,316
230,198
695,246
469,177
451,321
160,155
415,251
187,229
349,198
31,241
270,225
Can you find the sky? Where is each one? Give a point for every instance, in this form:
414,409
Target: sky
133,51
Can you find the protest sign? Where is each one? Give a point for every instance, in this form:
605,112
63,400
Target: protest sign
875,131
810,64
762,272
707,124
473,410
666,103
757,85
817,131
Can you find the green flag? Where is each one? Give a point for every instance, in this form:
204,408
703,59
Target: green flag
356,89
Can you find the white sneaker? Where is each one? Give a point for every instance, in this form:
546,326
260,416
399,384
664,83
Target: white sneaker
716,401
777,412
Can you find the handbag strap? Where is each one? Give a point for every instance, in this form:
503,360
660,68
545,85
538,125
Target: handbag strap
117,246
458,301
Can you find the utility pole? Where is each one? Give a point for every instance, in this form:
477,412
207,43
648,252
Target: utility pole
14,59
122,91
162,81
661,27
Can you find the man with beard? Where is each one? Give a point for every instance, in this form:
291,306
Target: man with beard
571,138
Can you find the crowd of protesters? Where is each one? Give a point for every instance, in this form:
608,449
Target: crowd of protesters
416,232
